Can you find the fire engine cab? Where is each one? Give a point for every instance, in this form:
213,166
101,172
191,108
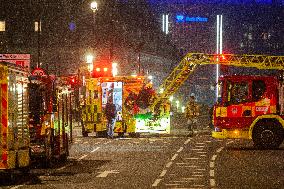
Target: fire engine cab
250,107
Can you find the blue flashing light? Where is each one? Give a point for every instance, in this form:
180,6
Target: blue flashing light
72,26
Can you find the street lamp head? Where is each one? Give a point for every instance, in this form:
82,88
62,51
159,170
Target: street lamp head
89,59
94,6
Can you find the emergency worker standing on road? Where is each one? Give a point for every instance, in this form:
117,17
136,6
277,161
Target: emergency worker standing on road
110,113
191,113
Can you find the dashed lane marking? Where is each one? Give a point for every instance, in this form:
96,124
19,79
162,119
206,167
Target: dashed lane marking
157,181
214,157
212,173
95,149
82,157
220,149
180,149
174,157
169,164
163,173
212,183
187,141
212,164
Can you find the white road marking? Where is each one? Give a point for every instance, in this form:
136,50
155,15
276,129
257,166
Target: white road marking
18,186
193,158
61,168
220,149
174,157
187,141
172,184
191,178
199,146
184,163
95,149
197,149
203,155
200,143
180,149
212,173
196,175
197,172
212,164
106,173
201,152
83,157
212,183
191,166
169,164
85,142
200,169
163,173
213,157
157,181
229,142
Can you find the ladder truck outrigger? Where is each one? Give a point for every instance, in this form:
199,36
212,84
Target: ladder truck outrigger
249,107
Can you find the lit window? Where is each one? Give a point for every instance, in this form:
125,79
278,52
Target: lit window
37,26
2,26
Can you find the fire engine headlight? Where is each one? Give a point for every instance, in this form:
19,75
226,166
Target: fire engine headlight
236,132
217,129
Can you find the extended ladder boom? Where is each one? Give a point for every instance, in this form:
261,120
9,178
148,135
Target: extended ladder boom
189,63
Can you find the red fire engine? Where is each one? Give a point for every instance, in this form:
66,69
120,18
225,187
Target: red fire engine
249,107
50,122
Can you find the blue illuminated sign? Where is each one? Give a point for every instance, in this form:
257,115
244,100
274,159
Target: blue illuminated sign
182,18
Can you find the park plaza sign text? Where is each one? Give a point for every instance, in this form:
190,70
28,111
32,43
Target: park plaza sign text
182,18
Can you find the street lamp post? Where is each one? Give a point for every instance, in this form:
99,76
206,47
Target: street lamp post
94,7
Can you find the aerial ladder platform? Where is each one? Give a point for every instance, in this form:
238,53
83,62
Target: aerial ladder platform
190,62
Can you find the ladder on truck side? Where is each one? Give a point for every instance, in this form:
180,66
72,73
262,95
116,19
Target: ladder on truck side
190,62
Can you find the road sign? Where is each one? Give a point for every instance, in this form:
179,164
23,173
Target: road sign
38,72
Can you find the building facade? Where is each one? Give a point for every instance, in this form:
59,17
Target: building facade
248,27
59,35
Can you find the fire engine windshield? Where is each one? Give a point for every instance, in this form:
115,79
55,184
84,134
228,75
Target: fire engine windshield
237,92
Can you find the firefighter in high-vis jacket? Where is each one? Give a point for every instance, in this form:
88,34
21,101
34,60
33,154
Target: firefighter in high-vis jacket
191,113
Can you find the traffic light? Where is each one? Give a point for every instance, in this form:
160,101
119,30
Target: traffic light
73,81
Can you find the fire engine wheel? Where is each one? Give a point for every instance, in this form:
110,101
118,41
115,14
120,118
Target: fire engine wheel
25,170
268,135
120,134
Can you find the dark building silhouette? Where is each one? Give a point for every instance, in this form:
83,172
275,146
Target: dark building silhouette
125,32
